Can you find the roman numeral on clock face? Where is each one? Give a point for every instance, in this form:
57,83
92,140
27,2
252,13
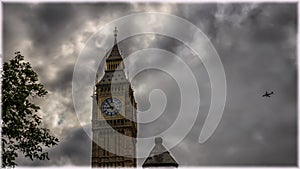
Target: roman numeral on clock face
111,106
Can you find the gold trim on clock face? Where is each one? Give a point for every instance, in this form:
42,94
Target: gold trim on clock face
111,107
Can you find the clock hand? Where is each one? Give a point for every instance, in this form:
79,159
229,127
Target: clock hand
110,106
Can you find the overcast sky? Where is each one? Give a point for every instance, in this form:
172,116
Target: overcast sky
256,43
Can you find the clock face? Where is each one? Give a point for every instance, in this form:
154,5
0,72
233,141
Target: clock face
111,106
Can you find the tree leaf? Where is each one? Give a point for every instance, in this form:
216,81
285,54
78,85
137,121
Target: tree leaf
20,125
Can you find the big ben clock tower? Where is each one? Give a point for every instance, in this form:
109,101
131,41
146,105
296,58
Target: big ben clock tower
114,115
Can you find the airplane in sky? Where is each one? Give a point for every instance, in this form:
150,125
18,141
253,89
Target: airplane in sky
267,94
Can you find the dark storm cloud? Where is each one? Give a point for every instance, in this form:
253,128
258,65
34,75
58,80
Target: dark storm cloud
173,99
51,24
257,46
204,15
63,79
273,27
257,55
74,149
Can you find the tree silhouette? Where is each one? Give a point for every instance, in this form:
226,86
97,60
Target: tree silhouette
21,126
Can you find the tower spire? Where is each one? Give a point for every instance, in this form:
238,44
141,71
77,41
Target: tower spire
114,59
115,34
